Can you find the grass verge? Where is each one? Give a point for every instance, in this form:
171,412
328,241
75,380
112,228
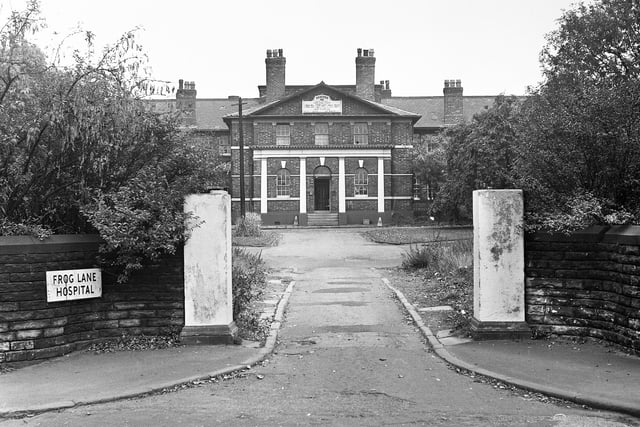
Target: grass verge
413,235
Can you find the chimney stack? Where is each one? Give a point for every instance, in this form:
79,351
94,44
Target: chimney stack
186,101
275,62
453,109
365,74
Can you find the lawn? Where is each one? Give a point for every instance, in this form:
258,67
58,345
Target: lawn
407,235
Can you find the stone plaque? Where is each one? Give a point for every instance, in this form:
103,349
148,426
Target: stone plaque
322,104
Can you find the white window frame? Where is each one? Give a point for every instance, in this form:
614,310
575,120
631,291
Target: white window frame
283,134
321,134
283,183
360,134
361,183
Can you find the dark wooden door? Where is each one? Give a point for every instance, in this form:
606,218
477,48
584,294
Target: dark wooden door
321,191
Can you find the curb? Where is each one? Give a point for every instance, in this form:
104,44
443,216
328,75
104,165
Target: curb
262,354
602,402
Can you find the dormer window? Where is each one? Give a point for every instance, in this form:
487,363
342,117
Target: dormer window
360,134
283,134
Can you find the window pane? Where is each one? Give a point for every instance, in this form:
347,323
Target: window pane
361,182
322,139
283,182
322,128
283,130
283,133
360,134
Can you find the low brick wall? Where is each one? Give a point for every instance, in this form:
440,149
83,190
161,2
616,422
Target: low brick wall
586,284
152,302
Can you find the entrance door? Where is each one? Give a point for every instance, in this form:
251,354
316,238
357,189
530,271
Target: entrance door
321,191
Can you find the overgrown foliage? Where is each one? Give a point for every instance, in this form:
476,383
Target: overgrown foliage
249,226
249,281
573,145
439,256
81,152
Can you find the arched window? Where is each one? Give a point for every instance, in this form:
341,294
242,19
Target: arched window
361,182
283,183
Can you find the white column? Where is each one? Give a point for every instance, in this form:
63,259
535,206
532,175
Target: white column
263,185
342,204
208,306
380,184
303,185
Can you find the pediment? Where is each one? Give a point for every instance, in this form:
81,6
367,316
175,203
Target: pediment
322,99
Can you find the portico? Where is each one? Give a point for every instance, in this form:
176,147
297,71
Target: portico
350,183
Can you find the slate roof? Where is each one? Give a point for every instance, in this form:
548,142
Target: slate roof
431,108
210,111
386,108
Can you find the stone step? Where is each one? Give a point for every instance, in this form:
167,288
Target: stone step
322,219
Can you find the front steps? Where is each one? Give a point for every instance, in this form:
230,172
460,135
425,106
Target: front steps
322,218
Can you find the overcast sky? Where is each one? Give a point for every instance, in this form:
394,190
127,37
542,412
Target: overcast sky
493,46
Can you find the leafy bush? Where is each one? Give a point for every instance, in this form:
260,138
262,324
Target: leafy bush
250,225
249,280
82,152
8,228
580,211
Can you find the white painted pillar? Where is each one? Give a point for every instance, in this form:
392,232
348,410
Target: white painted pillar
342,204
380,184
263,185
498,264
303,185
208,305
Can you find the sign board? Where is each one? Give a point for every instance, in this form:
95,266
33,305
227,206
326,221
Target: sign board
66,285
322,104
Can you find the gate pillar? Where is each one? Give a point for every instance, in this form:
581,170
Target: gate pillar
208,305
498,265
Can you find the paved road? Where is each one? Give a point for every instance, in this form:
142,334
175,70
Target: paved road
347,356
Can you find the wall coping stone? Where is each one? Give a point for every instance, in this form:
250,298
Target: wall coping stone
55,243
616,234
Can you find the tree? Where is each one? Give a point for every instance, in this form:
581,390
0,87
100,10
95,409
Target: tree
580,147
479,154
81,152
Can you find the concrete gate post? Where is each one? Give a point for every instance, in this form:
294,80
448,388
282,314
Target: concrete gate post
498,265
208,305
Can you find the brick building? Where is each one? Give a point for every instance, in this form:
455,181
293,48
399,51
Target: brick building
325,154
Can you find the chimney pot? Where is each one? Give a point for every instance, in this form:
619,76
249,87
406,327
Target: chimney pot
280,53
371,52
268,53
458,83
359,51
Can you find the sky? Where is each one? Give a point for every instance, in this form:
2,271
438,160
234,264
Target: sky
493,46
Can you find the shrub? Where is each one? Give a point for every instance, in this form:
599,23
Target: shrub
442,256
250,225
249,279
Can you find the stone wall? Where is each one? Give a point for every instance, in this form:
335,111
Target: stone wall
31,328
586,284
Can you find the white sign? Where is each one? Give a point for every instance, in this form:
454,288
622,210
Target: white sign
66,285
322,104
